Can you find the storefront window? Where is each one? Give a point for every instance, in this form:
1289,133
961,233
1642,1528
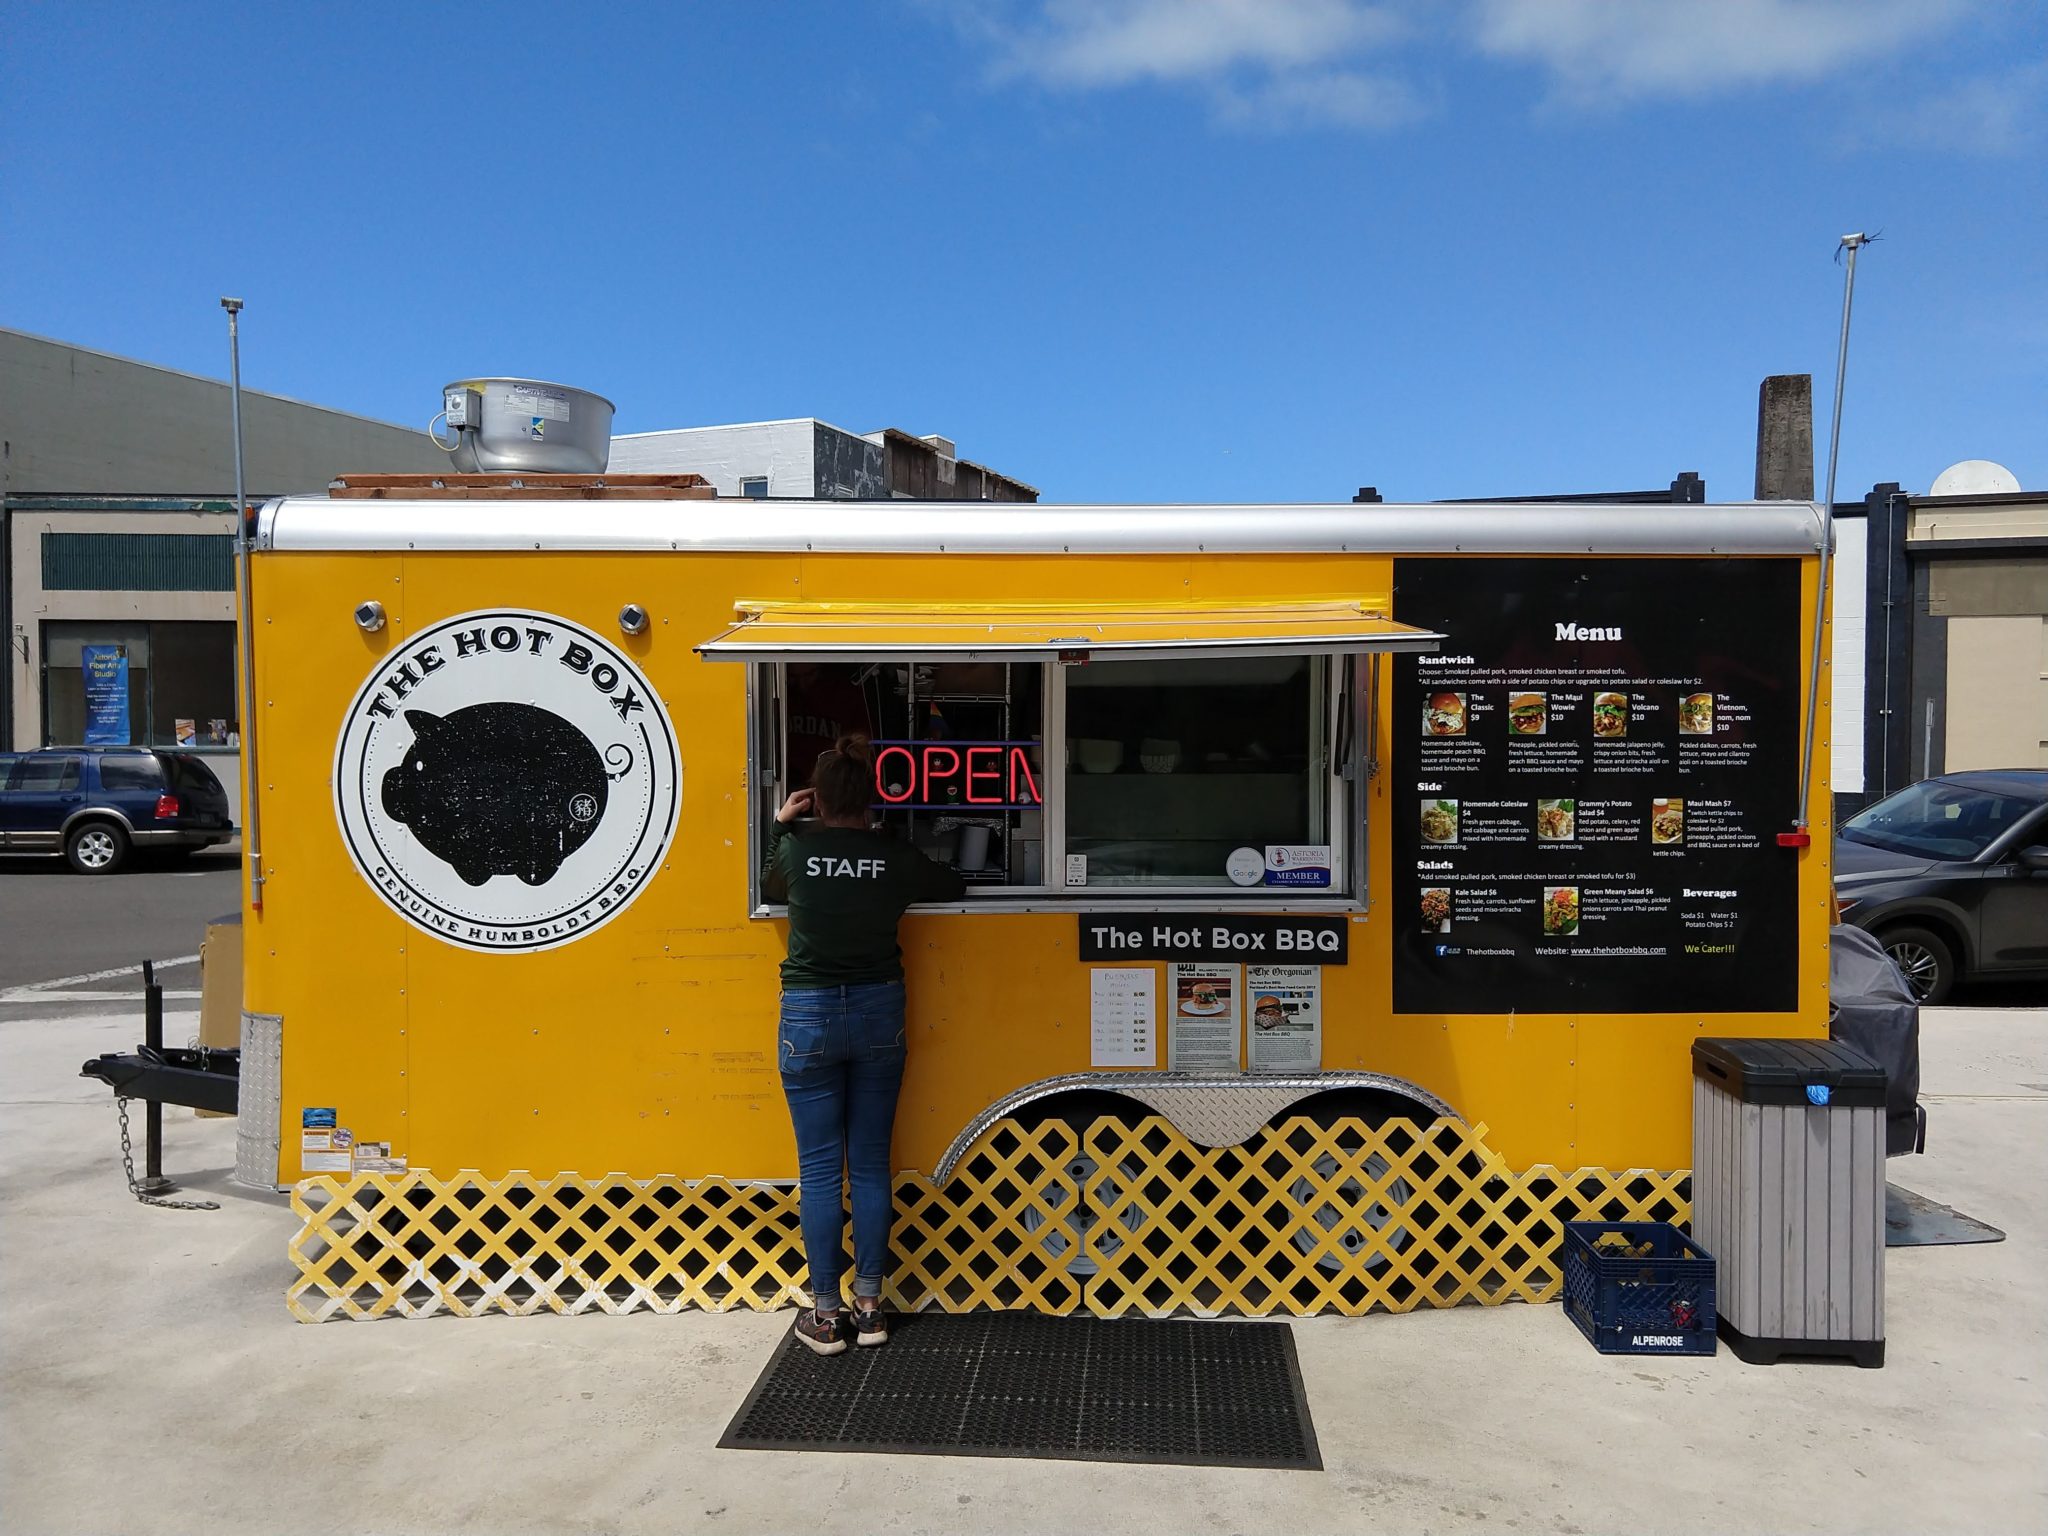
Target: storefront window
139,684
1172,766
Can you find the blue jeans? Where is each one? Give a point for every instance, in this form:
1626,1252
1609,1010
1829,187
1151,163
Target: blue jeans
842,1051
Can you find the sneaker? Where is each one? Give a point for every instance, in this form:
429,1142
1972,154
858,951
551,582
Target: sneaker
870,1325
824,1335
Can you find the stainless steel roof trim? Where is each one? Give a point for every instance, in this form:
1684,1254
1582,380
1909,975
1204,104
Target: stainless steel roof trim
319,523
266,521
1224,1120
726,649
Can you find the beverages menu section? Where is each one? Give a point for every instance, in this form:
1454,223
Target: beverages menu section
1587,784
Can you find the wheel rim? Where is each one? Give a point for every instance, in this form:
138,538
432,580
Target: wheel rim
96,849
1347,1219
1917,963
1069,1238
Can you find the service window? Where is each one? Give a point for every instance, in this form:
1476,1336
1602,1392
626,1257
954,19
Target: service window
1216,777
1179,773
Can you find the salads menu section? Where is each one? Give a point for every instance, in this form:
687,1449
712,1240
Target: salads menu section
1587,785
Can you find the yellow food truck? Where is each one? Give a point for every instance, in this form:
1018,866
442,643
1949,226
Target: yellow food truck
1345,884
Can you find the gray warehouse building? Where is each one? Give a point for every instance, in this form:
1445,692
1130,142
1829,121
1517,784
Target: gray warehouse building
117,529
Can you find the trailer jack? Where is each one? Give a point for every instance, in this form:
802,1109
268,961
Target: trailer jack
158,1075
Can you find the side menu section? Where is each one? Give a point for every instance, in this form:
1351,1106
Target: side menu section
1587,783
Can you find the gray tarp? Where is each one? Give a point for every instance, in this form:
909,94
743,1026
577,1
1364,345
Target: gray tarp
1875,1013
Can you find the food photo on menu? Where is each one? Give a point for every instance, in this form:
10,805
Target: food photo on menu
1555,820
1440,821
1436,910
1610,715
1696,715
1444,715
1667,821
1528,714
1560,910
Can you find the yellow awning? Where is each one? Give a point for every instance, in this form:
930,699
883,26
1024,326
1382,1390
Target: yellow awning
891,632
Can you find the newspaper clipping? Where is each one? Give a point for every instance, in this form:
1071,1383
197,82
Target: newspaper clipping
1206,1017
1287,1018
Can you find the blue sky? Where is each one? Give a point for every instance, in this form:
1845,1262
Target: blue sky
1123,249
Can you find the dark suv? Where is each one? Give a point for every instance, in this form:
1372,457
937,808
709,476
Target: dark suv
1951,874
95,804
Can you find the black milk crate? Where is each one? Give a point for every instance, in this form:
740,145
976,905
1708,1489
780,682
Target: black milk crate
1660,1304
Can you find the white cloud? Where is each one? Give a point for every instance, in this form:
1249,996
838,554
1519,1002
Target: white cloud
1301,98
1281,64
1984,117
1259,63
1594,49
1114,42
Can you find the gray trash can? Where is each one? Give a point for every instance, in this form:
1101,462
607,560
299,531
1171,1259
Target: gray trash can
1788,1195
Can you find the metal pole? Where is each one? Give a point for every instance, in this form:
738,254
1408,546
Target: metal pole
252,819
153,1180
1851,244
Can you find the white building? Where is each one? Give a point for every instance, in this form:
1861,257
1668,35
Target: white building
807,458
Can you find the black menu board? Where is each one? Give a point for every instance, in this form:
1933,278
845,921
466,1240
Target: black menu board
1587,785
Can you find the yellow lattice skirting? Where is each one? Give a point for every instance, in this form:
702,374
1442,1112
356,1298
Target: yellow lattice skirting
1128,1216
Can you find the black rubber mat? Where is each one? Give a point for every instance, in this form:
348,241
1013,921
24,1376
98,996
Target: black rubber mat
1062,1388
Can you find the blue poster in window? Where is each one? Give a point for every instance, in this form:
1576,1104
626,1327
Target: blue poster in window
106,695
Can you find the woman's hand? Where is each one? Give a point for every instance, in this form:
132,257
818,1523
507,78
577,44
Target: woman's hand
796,805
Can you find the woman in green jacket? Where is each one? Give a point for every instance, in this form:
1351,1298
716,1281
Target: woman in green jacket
841,1037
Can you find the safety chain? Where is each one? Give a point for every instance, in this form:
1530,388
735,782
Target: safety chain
134,1186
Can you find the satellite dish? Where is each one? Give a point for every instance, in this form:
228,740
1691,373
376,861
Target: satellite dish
1974,477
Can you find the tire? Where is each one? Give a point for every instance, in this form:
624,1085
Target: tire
1068,1241
1349,1221
96,847
1924,958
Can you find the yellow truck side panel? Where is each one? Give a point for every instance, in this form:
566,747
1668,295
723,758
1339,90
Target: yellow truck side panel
647,1046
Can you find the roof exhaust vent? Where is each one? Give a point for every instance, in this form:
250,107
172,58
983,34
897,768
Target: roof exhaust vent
498,425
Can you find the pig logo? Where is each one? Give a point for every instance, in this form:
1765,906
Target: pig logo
507,780
500,789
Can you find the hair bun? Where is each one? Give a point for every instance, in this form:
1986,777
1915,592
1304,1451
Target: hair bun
855,745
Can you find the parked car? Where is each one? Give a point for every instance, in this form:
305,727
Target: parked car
95,805
1951,875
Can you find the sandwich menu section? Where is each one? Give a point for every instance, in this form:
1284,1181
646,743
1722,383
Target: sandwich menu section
1587,784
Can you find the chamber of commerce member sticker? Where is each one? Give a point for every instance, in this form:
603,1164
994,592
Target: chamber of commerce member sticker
507,780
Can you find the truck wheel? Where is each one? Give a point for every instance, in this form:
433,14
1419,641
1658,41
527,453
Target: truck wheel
1925,959
1347,1219
1344,1217
96,848
1068,1242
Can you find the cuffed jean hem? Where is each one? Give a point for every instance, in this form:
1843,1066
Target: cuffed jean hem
836,1302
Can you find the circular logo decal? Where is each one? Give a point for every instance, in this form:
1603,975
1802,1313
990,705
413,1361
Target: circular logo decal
507,780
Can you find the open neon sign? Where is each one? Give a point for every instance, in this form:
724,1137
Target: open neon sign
947,775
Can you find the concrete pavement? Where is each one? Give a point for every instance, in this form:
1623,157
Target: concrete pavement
154,1380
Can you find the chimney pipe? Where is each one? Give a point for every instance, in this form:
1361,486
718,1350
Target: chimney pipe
1784,438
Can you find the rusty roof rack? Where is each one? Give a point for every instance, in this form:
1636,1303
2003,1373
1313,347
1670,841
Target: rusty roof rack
522,485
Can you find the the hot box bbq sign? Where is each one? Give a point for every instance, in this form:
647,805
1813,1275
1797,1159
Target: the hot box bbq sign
1224,936
507,780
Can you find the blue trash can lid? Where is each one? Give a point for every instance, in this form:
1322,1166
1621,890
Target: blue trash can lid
1810,1072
